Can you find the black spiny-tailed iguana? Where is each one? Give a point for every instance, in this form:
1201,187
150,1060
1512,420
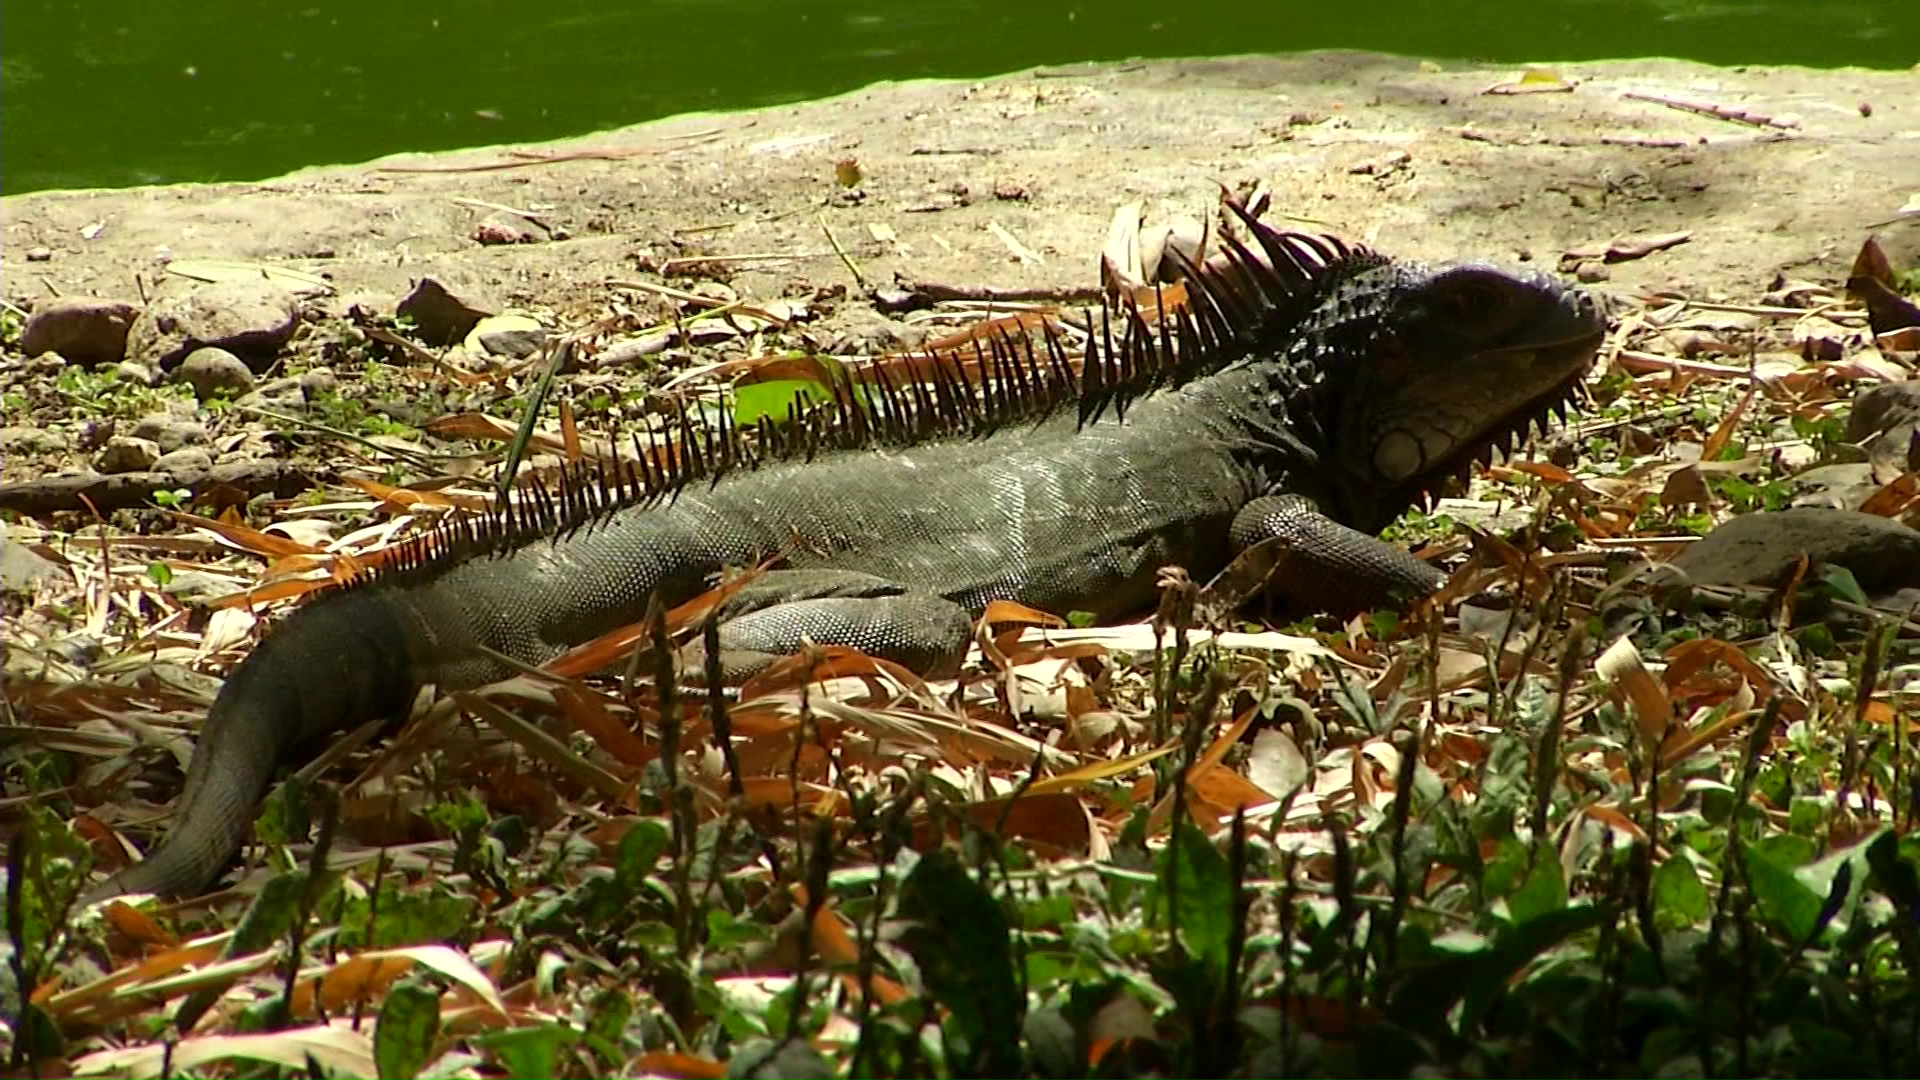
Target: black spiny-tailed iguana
1312,390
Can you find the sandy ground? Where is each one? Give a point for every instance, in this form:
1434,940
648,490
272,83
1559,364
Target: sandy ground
1503,176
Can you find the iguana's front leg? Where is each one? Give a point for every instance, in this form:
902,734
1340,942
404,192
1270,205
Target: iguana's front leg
1330,567
775,614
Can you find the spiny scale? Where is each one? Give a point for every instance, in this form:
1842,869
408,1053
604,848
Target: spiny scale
1232,302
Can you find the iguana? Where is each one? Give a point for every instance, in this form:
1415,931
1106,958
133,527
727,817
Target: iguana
1307,389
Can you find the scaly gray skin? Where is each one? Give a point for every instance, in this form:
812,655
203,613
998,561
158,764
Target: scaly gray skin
1324,429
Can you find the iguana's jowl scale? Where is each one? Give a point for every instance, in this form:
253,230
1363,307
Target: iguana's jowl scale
1312,392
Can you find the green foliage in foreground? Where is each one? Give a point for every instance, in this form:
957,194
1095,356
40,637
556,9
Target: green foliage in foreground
1520,932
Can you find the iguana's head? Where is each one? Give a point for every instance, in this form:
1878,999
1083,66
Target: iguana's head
1436,366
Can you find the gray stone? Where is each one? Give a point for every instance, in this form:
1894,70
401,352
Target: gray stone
31,440
518,344
82,329
186,460
214,373
252,320
125,454
1762,548
170,432
22,569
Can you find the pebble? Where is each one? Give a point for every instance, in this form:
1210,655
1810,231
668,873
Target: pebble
187,460
214,373
40,254
126,454
82,329
135,372
22,568
31,440
170,432
510,334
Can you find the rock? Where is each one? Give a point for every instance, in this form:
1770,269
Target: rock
40,254
441,317
1839,487
319,381
31,440
214,373
510,334
188,460
21,568
133,371
1761,549
1886,420
125,454
170,432
251,319
83,329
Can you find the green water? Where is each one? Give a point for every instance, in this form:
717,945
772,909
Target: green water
99,93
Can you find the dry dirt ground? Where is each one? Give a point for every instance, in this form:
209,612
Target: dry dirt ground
1485,175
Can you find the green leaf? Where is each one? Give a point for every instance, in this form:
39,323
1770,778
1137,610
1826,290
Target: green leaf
773,399
1841,581
1782,896
403,1036
958,936
1542,892
639,850
607,1026
1493,970
159,573
1196,881
1679,892
529,1052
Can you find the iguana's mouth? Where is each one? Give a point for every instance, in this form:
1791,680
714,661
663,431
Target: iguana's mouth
1574,354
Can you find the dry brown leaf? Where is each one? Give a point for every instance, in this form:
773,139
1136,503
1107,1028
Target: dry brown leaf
1621,665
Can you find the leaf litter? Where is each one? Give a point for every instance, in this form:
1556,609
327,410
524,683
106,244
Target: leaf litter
1055,740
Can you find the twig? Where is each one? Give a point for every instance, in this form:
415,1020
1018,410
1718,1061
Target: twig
1717,112
852,267
524,158
536,217
932,291
713,305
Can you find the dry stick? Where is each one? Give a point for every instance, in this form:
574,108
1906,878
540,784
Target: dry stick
713,304
534,216
523,158
936,291
1717,112
852,267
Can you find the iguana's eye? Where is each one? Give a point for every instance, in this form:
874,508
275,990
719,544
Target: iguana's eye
1477,300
